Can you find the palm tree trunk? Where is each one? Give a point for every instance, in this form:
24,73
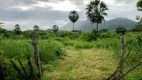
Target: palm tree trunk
97,29
73,26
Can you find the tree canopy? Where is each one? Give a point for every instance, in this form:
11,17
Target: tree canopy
96,10
73,17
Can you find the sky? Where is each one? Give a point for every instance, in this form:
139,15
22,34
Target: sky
46,13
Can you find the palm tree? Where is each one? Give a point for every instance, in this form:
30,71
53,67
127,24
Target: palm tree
96,10
73,16
139,5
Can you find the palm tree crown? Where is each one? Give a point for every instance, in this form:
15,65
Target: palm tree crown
139,5
73,16
96,10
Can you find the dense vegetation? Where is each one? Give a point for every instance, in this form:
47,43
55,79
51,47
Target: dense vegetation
53,47
72,55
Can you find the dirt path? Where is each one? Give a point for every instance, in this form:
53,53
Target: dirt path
86,64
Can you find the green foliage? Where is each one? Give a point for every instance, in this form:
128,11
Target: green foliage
50,50
139,40
67,34
85,36
13,48
73,17
2,30
74,35
51,45
79,44
96,10
27,33
109,34
139,5
63,34
89,36
78,31
103,30
94,34
137,28
17,29
121,30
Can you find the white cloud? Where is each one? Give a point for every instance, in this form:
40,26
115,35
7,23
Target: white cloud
63,6
61,22
24,8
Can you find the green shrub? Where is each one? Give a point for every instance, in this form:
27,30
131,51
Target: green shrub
50,50
74,35
14,48
71,35
63,33
109,34
137,28
121,30
85,36
94,35
103,30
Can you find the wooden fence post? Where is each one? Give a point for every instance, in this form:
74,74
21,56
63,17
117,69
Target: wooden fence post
36,55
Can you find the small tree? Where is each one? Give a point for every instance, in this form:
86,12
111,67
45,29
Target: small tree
73,16
138,28
55,28
36,28
17,29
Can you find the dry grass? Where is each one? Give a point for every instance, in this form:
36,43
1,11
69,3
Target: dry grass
86,64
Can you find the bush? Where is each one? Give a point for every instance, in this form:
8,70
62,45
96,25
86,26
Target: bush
63,33
50,50
85,36
103,30
27,33
74,35
94,35
89,36
78,31
121,30
137,28
109,34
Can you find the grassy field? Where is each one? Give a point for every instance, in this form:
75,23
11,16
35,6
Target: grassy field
75,59
83,64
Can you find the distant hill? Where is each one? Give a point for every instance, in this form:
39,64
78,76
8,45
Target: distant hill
139,23
109,24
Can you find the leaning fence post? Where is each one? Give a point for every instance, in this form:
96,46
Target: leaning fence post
36,55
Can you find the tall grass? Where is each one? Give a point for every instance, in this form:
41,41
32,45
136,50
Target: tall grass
48,50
